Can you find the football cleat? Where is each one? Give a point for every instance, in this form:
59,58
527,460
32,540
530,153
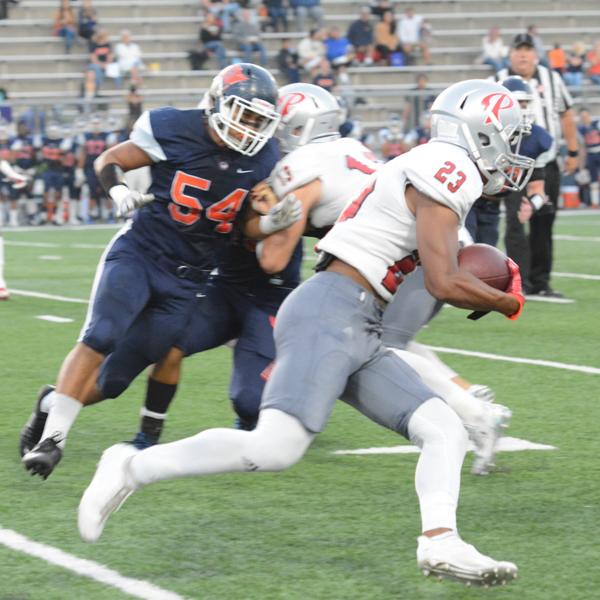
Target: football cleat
33,429
447,556
143,440
109,488
482,392
486,435
42,459
4,294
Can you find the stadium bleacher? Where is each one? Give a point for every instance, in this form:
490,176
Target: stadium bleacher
35,69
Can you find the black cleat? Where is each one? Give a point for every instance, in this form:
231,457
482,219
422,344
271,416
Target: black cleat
32,432
42,459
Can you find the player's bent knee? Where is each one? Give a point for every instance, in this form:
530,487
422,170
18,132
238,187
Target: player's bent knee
435,422
278,442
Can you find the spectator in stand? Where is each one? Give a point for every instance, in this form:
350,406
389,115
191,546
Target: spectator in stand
557,58
64,24
134,102
128,56
539,45
311,50
495,51
277,13
325,77
211,38
412,33
378,7
247,34
224,10
573,75
100,57
386,40
421,134
339,49
87,23
305,9
362,37
288,62
418,102
593,58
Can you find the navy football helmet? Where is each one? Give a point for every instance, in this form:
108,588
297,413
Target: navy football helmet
522,92
241,107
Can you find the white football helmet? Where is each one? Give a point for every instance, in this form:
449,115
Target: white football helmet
241,107
309,113
485,119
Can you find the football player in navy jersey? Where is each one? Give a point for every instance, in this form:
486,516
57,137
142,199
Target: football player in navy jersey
24,156
203,164
92,144
53,150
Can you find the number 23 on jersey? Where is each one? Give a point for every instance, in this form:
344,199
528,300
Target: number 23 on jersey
455,181
187,210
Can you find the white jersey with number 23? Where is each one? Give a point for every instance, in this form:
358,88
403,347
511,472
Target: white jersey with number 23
376,233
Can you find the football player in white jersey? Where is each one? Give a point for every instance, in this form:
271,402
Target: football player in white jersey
18,181
323,170
328,332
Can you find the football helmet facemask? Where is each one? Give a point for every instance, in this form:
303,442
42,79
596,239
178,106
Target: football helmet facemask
241,107
309,113
485,119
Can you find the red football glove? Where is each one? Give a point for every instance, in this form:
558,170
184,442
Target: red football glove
514,287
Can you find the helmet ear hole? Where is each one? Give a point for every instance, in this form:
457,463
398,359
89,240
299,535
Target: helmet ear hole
484,139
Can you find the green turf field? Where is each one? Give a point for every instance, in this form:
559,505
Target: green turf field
334,527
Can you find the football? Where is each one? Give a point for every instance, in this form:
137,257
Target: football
487,263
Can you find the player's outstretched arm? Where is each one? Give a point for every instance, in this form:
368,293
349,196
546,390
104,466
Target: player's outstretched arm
275,251
109,167
437,227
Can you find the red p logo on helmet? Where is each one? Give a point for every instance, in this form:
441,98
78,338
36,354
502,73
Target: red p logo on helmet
495,103
286,102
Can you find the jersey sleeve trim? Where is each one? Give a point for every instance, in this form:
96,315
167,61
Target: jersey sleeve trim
143,137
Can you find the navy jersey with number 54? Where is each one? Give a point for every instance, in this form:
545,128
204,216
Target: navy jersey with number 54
200,188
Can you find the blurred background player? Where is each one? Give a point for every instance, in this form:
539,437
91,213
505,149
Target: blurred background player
589,130
25,159
92,144
52,155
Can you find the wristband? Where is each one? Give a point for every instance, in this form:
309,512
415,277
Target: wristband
537,201
573,153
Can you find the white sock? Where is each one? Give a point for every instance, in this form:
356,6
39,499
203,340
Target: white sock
278,442
595,193
436,429
61,417
471,410
13,217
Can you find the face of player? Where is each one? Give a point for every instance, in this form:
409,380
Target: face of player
523,61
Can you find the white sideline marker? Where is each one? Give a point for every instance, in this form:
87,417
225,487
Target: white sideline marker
54,319
138,588
577,238
505,444
50,257
577,276
32,294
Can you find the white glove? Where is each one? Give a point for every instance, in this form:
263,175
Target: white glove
126,200
285,213
482,392
79,177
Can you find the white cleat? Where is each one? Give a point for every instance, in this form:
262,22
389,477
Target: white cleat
109,488
486,435
446,556
4,294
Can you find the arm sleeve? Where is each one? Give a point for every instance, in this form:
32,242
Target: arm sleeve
143,137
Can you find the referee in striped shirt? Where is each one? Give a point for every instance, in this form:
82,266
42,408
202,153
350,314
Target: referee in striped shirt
552,109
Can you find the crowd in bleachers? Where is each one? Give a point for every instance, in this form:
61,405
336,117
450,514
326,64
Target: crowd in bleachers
382,34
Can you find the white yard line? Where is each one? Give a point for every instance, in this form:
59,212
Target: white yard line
54,319
514,359
505,444
577,276
32,294
138,588
44,229
576,238
53,245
